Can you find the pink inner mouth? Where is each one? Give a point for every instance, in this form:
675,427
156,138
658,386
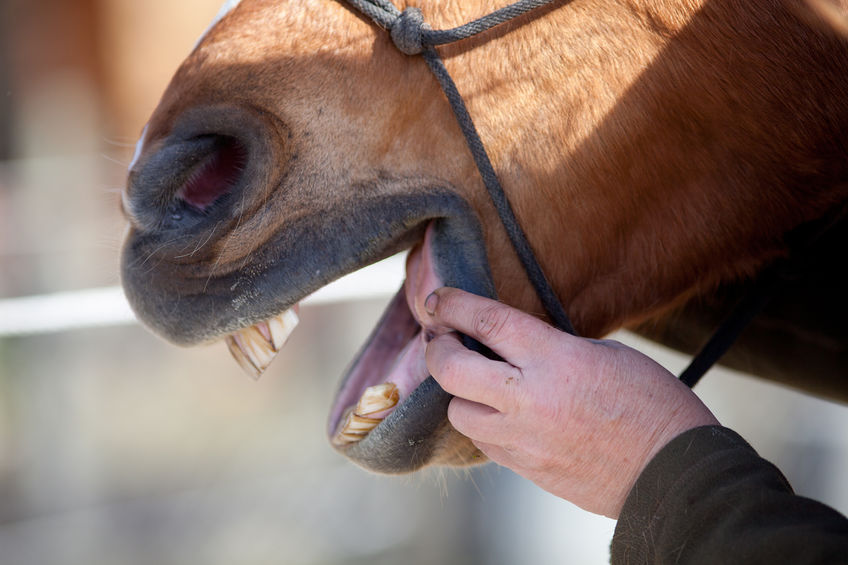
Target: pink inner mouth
395,351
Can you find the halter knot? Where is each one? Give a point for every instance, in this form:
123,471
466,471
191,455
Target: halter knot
407,31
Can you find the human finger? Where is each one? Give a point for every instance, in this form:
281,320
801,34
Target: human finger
476,421
470,375
497,454
514,335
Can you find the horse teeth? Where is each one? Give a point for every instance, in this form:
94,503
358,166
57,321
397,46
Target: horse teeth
377,398
256,346
252,350
241,358
343,438
281,327
358,421
361,424
353,428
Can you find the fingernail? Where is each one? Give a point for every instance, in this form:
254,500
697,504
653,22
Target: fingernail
430,303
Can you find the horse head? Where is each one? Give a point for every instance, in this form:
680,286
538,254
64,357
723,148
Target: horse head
651,151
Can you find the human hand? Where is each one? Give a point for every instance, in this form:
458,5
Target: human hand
580,418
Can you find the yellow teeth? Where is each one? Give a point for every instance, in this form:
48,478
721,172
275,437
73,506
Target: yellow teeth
377,398
255,347
358,421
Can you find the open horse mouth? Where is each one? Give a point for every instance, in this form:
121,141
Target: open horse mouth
388,412
218,249
389,367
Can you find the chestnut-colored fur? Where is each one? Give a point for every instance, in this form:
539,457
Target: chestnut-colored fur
651,149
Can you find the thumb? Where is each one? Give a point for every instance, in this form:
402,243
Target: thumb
511,333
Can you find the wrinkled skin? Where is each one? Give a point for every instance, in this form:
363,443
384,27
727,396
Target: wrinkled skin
543,412
656,153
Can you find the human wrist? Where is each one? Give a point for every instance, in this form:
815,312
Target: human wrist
689,413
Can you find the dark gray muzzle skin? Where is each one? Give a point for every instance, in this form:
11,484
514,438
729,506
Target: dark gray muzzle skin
166,259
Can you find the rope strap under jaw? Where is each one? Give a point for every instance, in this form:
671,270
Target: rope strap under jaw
412,36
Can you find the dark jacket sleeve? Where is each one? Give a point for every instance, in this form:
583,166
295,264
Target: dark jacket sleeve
708,498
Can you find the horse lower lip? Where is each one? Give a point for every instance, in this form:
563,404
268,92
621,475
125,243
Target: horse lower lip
395,351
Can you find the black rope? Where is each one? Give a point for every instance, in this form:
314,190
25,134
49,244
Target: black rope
516,235
412,36
768,284
730,329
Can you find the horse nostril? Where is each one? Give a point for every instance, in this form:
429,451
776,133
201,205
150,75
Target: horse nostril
215,175
185,178
193,172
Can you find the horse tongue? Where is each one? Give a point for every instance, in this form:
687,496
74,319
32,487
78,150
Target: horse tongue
255,347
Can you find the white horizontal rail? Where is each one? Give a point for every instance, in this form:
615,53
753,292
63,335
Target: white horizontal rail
106,306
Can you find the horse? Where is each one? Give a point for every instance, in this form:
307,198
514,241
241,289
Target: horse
660,157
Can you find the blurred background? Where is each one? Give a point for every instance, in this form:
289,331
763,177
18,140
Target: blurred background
118,448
